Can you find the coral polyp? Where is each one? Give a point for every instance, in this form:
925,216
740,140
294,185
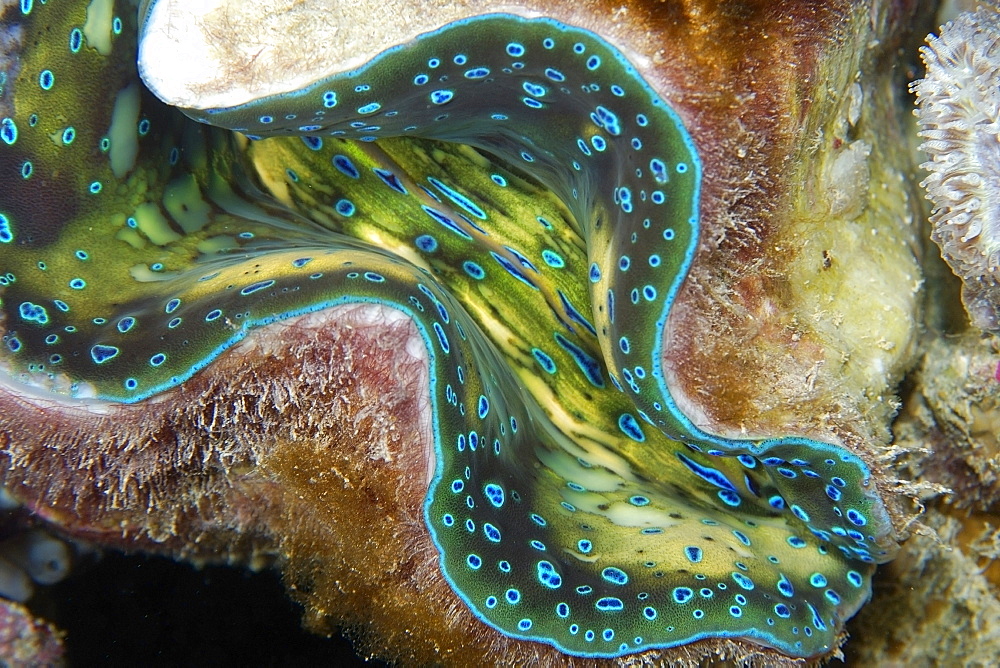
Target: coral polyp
959,115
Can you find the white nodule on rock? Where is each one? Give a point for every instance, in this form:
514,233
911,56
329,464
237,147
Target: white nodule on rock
847,180
855,102
45,559
15,584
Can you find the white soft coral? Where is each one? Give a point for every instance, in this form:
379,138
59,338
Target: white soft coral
958,108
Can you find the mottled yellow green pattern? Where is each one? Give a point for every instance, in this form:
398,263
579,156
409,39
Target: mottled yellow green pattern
517,190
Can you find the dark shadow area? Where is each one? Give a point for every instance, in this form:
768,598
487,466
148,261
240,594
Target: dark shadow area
135,610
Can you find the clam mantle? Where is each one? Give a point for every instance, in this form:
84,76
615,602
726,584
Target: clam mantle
580,323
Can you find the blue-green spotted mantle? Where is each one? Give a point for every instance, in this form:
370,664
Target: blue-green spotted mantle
519,191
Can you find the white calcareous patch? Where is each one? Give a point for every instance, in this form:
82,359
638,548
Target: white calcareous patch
847,180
